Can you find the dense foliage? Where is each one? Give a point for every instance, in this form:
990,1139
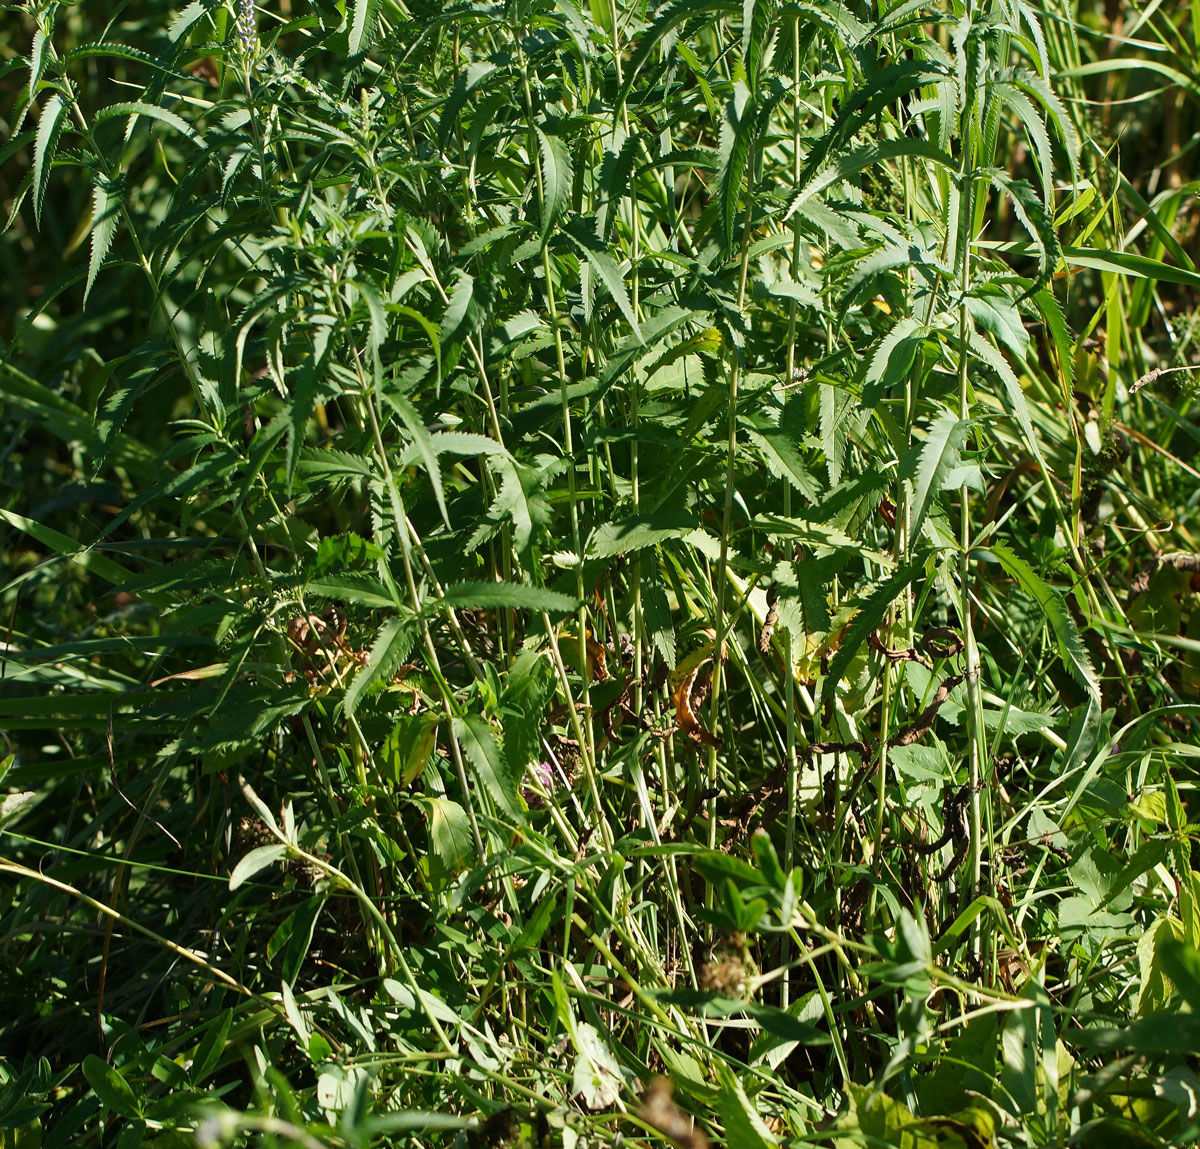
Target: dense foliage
591,573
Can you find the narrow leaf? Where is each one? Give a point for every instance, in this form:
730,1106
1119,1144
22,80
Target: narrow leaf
362,17
487,759
557,179
47,136
940,454
390,648
594,250
1070,644
495,595
106,206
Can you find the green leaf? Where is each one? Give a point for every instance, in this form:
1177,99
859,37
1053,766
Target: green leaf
1070,646
106,208
188,17
527,690
870,614
209,1051
1129,263
258,859
744,1127
362,16
390,649
111,1088
637,533
90,560
1169,1032
733,149
137,108
891,360
451,844
1181,963
1012,385
407,749
862,105
634,348
487,759
596,252
557,179
496,595
616,173
356,587
423,441
49,125
940,455
1034,217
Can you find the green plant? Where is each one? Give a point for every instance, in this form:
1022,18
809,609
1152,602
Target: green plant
551,548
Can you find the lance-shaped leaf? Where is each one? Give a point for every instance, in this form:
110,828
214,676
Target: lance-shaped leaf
487,760
495,595
870,615
388,651
940,455
733,147
361,31
47,135
557,179
596,253
106,206
1066,635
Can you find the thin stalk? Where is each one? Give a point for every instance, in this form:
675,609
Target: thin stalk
720,622
976,747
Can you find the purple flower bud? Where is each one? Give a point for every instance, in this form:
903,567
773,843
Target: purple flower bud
544,773
246,27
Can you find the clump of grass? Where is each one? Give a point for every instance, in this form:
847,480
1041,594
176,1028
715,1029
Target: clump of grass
578,575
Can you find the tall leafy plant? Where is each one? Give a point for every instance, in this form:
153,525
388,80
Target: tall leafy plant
571,570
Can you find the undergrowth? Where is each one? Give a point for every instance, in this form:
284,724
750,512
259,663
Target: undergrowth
595,574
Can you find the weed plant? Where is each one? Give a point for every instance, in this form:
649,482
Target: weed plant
599,574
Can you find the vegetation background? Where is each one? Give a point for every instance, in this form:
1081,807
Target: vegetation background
596,574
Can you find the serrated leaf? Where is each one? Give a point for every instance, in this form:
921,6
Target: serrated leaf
557,179
1034,217
733,149
861,106
187,18
940,455
1070,645
139,108
49,125
353,586
487,759
390,649
598,258
423,442
870,614
616,172
362,17
106,205
637,533
891,359
496,595
1012,386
